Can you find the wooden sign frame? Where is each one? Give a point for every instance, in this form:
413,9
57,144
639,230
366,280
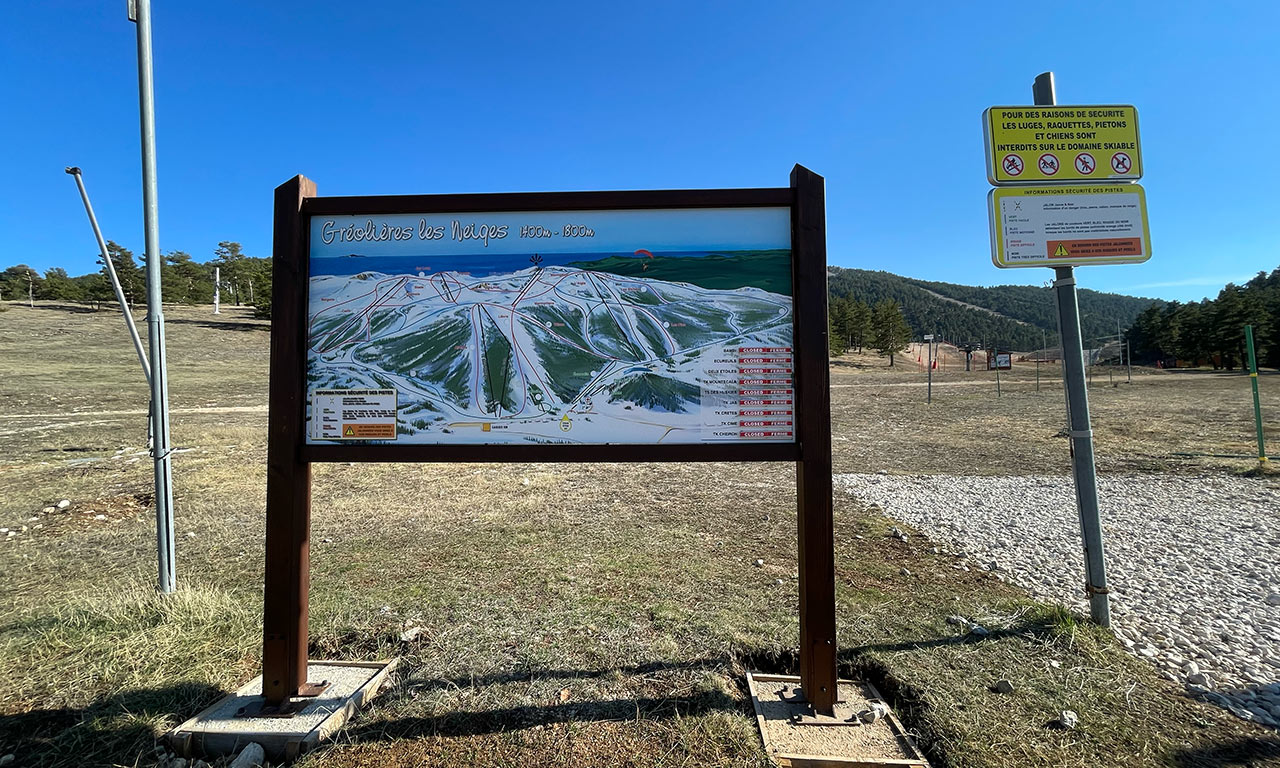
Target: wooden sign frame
289,457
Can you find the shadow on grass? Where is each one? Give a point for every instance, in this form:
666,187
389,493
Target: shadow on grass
113,730
221,325
479,722
910,703
412,686
488,721
1232,754
79,309
245,324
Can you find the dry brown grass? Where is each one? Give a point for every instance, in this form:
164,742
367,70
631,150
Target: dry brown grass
1181,421
593,614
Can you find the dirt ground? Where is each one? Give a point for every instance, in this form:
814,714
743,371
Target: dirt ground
570,614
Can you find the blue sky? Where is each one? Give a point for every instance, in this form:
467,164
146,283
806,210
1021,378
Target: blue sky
884,100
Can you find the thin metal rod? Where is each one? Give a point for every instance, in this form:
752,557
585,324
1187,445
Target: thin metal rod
111,273
1083,469
160,450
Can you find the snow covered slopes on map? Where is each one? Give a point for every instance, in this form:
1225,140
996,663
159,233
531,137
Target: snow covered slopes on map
597,350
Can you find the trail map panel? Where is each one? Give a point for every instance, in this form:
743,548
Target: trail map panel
635,327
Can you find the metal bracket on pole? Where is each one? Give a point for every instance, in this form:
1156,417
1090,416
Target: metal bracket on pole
1063,282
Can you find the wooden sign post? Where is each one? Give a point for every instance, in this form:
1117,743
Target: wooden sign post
805,439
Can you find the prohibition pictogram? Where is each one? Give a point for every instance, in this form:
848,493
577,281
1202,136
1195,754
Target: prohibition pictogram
1120,162
1048,164
1085,163
1012,165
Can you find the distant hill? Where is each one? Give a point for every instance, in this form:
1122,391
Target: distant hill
766,270
1012,316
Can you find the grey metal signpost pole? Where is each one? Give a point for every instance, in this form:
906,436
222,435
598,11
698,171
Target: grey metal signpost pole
140,13
1073,375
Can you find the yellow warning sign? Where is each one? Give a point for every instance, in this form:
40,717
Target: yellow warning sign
1048,145
353,414
369,431
1062,251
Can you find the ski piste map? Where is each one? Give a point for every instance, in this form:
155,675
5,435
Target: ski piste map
569,327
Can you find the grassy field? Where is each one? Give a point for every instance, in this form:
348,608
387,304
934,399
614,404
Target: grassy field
570,615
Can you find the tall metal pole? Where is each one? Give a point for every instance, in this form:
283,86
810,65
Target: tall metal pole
1082,464
217,290
1257,407
140,13
111,273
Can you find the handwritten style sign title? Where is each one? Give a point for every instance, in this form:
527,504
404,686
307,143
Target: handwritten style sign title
457,230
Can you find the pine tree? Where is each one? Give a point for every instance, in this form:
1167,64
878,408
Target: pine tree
58,286
838,318
132,281
229,256
890,332
859,324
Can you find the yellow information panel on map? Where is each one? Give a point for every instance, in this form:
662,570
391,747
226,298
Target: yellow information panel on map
1050,145
1069,226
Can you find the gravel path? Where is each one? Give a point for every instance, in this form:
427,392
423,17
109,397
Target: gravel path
1193,563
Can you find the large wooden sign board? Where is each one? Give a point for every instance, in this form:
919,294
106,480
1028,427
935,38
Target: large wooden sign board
582,326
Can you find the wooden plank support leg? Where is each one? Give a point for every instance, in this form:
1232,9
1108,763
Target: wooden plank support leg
288,539
813,473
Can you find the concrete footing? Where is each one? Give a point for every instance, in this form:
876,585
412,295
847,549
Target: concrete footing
232,723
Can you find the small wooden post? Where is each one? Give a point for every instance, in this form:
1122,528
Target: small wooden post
288,556
813,473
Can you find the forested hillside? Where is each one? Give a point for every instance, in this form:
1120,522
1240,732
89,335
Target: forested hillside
1100,313
1211,332
1010,316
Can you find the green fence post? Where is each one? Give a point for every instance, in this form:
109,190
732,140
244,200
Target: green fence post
1257,408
